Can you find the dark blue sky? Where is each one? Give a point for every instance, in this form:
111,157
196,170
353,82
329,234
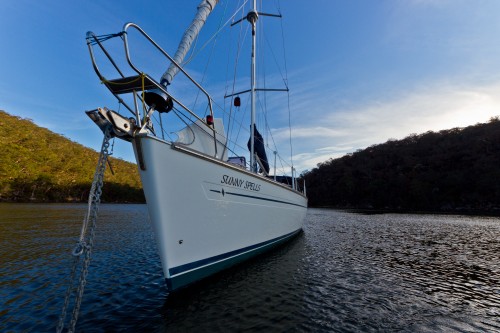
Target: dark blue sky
360,71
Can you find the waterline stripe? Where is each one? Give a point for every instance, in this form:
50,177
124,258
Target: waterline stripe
259,198
203,262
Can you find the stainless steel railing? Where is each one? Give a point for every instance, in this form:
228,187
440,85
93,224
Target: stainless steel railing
141,82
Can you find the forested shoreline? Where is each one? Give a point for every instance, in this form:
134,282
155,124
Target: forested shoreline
38,165
455,170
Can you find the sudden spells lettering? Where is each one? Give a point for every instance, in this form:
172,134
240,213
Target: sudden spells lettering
245,184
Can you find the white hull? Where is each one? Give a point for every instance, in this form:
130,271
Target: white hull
208,215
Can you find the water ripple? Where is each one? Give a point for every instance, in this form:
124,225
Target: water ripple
346,273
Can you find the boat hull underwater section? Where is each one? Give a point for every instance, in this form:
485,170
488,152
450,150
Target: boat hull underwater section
208,215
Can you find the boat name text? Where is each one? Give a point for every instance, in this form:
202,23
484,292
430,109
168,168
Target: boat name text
245,184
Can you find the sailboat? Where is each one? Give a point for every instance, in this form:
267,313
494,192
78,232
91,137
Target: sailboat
209,210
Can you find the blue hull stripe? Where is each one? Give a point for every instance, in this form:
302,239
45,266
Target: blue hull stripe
259,198
211,260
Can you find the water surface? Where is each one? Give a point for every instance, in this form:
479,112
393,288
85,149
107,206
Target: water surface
346,272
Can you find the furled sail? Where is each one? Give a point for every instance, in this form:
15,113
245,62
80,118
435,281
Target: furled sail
204,9
259,148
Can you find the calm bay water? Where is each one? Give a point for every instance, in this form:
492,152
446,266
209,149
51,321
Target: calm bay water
346,273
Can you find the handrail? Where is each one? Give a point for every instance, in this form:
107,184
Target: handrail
90,35
93,39
98,42
160,86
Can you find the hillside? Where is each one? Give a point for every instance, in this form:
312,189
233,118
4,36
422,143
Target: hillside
39,165
450,170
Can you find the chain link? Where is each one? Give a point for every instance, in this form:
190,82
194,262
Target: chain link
85,246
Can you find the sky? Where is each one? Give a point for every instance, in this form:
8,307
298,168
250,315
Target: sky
360,72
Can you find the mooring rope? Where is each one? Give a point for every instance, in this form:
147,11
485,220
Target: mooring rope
86,241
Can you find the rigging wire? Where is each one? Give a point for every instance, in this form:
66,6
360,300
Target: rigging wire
238,54
264,107
285,81
191,56
233,121
209,59
220,29
288,92
283,77
235,141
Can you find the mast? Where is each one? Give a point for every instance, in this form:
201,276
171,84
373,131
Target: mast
252,18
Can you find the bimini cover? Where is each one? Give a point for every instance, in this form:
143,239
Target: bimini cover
199,137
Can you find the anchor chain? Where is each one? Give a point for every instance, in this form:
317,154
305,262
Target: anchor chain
86,242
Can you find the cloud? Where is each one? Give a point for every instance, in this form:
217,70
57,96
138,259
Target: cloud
309,132
437,106
428,2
